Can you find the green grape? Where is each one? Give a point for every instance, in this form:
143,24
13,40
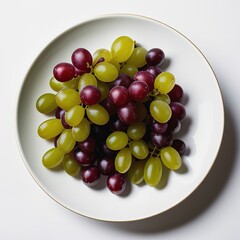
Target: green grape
115,63
85,80
160,111
50,128
136,131
136,172
74,115
129,70
104,89
105,72
164,98
67,98
46,103
53,158
122,48
70,165
171,158
123,160
81,132
164,82
57,85
139,149
102,53
153,171
137,58
117,140
97,114
66,142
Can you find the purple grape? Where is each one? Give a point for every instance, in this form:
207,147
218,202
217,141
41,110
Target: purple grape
159,127
90,95
85,159
90,175
146,77
178,110
138,90
180,146
128,113
155,56
106,165
82,59
109,106
154,70
63,121
116,183
161,140
174,125
117,125
88,145
122,80
59,112
176,93
64,72
119,95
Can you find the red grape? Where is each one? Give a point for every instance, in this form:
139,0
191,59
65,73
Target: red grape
88,146
138,90
85,159
82,59
176,93
116,183
146,77
64,72
106,165
128,113
155,56
90,175
178,110
90,95
119,95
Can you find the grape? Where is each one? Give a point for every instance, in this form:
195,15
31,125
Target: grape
123,160
116,183
141,112
155,56
52,158
178,110
102,53
85,159
117,140
107,152
115,63
146,77
90,95
174,125
128,113
109,106
136,131
70,165
163,97
104,89
122,48
50,128
59,112
136,172
137,58
46,103
171,158
97,114
164,82
159,127
119,95
176,93
117,125
81,131
63,120
105,72
129,70
57,85
85,80
82,59
153,171
90,175
161,140
88,145
122,80
106,165
139,149
74,115
64,72
67,98
154,70
180,146
160,111
138,90
66,142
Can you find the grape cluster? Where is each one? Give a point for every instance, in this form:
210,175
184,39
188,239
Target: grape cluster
116,114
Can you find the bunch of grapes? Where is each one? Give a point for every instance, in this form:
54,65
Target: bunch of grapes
116,114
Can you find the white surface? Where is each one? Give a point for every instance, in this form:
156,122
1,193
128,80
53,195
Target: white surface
211,212
71,192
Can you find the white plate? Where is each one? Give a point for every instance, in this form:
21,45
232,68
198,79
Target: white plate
203,126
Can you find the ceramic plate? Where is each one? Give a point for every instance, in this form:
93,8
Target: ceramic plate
202,129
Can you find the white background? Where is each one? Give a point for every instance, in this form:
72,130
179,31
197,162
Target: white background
211,212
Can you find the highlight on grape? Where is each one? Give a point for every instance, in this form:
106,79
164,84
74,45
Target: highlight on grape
115,113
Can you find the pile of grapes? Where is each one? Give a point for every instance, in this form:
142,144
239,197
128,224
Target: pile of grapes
116,114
